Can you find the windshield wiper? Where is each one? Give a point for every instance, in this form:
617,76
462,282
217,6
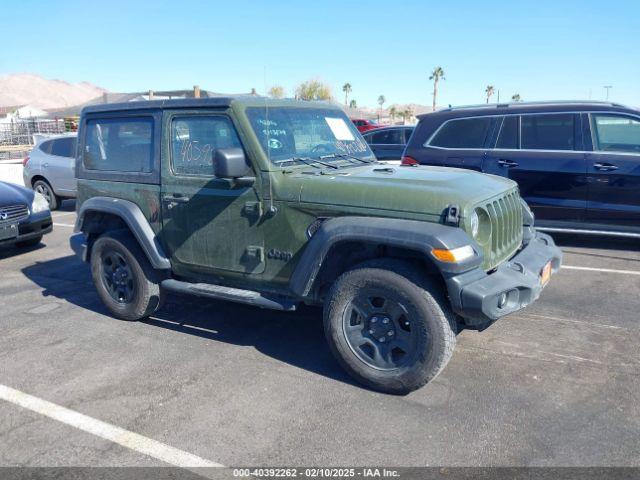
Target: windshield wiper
311,161
347,155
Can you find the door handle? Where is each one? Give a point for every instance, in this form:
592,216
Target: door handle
507,163
45,165
605,167
174,200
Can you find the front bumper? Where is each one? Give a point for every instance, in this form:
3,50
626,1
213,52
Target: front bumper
479,297
35,225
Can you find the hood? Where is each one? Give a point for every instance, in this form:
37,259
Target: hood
11,194
414,190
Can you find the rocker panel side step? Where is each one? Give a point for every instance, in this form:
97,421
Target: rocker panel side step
227,293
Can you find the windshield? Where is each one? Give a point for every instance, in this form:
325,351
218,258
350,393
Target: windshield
290,133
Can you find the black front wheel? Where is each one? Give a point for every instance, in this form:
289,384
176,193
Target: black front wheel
125,280
389,326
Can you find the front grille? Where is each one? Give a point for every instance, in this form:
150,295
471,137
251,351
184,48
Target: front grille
505,214
13,213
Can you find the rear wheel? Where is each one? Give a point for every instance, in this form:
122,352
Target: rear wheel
43,188
389,326
125,280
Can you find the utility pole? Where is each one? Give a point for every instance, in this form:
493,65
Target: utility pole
607,88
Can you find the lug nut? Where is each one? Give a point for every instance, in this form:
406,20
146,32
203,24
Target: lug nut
385,320
374,319
390,334
382,339
371,332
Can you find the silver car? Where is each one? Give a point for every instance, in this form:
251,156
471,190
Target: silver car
50,168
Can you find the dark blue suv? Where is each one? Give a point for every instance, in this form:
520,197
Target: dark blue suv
577,163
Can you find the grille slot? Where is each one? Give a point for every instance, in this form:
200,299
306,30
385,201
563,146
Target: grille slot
13,213
505,214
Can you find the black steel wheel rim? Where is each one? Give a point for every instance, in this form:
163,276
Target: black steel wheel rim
379,330
44,190
117,277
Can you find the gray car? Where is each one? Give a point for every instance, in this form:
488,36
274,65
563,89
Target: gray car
50,168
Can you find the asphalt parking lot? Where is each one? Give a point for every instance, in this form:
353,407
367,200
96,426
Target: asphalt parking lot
557,384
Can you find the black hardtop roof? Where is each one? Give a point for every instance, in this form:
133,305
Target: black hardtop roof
222,101
529,107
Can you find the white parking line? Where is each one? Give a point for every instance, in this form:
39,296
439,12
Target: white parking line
604,270
63,214
114,434
63,225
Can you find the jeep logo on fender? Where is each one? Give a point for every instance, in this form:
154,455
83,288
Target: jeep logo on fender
278,255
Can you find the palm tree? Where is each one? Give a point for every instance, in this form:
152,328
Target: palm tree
381,100
393,111
436,75
346,88
489,91
407,113
515,97
353,104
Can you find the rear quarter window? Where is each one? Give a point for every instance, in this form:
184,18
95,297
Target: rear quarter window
64,147
462,133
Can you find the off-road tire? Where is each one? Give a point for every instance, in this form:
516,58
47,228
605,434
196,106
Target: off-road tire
431,315
147,296
44,187
29,243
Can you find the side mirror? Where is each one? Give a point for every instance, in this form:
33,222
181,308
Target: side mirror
230,163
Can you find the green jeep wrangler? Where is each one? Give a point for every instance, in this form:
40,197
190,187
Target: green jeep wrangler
275,203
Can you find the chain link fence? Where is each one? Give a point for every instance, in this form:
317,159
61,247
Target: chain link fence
16,137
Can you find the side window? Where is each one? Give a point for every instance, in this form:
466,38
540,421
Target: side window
548,132
463,133
509,133
195,138
119,144
367,138
46,146
387,137
407,134
64,147
613,133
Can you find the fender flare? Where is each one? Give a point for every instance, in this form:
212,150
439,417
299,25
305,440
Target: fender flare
414,235
131,214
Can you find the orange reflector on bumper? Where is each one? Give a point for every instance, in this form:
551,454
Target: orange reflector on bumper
454,255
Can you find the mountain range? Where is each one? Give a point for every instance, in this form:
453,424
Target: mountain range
29,89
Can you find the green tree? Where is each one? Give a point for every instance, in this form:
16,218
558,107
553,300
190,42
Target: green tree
516,97
406,114
353,104
489,91
393,112
313,90
346,88
436,75
276,92
381,100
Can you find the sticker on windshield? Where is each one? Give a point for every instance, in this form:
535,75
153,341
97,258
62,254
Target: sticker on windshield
340,129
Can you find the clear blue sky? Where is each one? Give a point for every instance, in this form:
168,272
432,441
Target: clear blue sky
541,49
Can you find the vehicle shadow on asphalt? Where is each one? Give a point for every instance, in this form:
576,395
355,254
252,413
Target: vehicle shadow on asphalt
13,251
296,338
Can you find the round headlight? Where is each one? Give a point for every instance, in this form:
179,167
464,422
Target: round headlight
475,224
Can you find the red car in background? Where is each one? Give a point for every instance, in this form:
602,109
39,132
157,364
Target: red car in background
364,125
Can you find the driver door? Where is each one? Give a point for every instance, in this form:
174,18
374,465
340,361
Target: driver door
210,225
614,170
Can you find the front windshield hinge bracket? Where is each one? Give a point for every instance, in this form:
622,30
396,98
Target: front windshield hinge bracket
452,215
